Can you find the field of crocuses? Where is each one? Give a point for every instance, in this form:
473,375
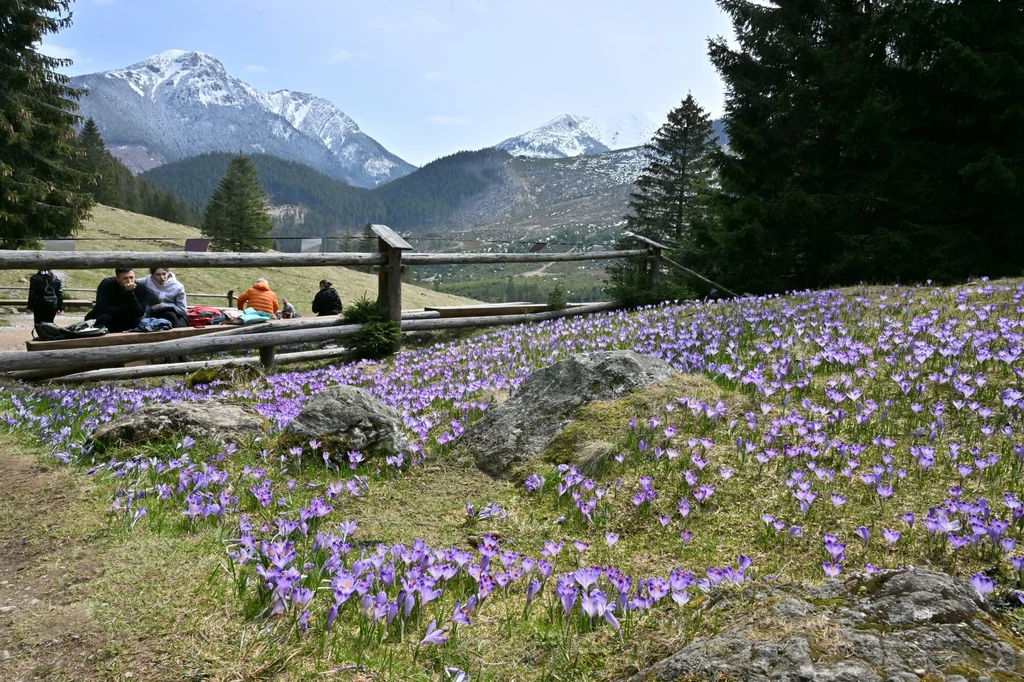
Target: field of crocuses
813,436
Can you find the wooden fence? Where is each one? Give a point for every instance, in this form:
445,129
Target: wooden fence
229,297
394,255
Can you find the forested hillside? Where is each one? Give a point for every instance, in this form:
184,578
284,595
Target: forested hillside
114,185
427,198
487,191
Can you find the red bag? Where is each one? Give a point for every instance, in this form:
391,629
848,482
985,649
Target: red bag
203,316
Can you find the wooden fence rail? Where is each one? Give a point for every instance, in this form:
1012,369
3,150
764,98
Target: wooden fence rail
229,297
46,364
394,255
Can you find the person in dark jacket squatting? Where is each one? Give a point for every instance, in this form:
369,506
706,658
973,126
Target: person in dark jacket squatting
118,308
326,302
45,297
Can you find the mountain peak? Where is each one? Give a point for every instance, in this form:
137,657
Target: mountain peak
171,59
573,135
180,103
313,115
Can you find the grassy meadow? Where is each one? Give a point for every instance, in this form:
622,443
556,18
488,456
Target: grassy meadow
805,438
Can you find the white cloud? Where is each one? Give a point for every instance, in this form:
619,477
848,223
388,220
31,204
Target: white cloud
255,68
417,22
449,120
432,76
479,6
56,51
337,55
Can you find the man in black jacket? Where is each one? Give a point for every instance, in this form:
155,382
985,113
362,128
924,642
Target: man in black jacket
117,306
45,297
326,302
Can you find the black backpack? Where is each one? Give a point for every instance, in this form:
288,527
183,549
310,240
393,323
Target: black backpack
48,331
50,297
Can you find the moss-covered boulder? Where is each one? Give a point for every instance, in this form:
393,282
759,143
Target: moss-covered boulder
521,428
894,626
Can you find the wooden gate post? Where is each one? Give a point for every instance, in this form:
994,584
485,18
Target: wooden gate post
389,276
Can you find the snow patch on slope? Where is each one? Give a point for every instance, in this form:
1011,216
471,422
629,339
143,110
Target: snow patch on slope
572,135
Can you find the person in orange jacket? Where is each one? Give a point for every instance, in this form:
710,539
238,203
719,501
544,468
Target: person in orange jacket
259,297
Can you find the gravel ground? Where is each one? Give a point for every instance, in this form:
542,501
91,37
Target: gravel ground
15,330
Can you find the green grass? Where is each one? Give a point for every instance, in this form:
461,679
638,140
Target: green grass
163,582
111,226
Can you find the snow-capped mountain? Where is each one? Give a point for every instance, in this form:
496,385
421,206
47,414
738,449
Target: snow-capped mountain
572,135
179,104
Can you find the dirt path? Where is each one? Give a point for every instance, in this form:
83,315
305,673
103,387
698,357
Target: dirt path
46,628
538,272
82,600
15,330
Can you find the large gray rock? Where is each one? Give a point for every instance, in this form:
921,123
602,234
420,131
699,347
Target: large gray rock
523,426
219,420
895,626
349,418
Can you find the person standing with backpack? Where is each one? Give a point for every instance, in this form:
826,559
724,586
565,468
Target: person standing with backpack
326,302
45,297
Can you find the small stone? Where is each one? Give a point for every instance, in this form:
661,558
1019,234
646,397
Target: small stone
6,609
33,602
5,655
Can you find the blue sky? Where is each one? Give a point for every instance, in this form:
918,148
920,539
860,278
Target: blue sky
428,78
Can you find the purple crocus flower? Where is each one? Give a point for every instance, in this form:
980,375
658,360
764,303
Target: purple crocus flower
434,635
891,536
863,532
982,583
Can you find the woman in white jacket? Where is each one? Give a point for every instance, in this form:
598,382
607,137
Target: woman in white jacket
163,296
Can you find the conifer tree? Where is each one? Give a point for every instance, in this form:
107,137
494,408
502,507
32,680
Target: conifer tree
672,190
95,161
671,196
40,193
869,141
236,217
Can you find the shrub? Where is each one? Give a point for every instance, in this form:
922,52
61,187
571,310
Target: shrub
379,334
556,299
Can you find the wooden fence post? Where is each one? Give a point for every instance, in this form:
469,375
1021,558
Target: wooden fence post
231,298
268,356
389,277
654,275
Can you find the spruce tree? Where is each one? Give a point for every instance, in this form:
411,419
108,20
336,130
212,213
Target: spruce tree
40,193
237,218
95,161
672,190
671,196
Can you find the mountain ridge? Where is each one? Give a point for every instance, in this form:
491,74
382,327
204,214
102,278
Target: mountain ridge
570,135
179,104
463,191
